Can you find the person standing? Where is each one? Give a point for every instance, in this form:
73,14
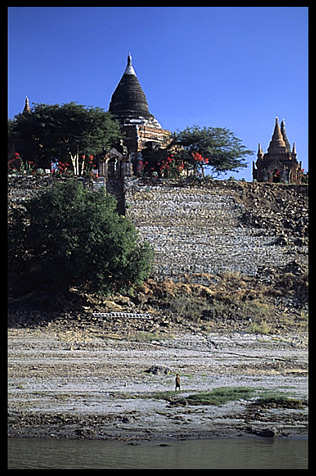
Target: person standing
177,380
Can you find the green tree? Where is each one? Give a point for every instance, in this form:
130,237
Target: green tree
65,132
224,151
72,236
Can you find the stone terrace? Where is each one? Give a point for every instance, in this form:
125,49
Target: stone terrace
198,229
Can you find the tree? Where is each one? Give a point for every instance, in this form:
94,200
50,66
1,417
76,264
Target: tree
72,236
65,133
214,147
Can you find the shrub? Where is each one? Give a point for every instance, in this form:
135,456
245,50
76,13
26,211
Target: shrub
72,236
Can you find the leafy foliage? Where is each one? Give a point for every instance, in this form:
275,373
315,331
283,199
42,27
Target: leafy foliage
222,149
63,132
69,235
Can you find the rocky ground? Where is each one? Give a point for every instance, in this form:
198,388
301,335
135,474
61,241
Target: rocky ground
73,374
79,376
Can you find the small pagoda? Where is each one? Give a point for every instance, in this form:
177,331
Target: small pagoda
279,164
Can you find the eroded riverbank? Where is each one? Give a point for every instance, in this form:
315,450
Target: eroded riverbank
85,383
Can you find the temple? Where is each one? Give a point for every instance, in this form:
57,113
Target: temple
143,136
130,108
279,164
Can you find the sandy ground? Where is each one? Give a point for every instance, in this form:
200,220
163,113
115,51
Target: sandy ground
87,384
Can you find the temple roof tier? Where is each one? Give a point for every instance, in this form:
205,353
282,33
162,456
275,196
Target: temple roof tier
128,102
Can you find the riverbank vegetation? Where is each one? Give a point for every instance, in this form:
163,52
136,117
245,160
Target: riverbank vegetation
218,396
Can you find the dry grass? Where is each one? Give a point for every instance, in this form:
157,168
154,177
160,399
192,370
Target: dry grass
228,297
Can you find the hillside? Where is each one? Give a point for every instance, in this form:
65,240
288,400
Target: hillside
229,255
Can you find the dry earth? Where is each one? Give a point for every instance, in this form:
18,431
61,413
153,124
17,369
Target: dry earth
90,381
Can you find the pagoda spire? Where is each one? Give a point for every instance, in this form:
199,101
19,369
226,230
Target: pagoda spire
287,143
277,143
129,68
260,152
27,108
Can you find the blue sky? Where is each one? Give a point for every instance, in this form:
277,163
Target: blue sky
233,67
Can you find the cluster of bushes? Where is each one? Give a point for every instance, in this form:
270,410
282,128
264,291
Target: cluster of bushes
69,235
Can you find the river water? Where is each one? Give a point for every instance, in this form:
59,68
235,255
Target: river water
259,453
